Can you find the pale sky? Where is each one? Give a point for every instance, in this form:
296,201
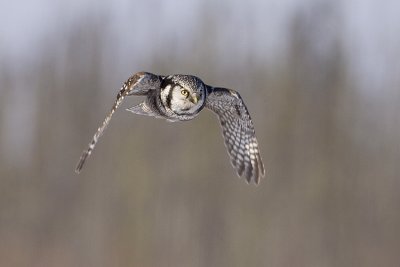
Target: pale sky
370,29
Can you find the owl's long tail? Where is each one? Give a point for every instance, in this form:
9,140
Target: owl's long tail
124,91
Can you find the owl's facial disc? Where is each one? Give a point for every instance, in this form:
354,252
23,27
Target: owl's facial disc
183,94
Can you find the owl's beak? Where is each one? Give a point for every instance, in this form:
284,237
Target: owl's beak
194,99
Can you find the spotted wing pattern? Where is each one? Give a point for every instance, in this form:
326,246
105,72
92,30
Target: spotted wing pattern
238,132
138,84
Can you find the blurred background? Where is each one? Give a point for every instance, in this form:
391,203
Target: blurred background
321,80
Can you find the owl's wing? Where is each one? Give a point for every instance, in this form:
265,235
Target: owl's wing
138,84
238,132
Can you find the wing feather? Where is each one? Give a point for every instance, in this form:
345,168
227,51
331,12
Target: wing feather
238,131
138,84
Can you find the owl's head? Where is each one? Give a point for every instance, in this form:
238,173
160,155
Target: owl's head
183,94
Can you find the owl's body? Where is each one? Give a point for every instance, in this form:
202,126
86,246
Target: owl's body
167,100
181,98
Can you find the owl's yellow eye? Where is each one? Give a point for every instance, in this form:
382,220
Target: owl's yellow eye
185,92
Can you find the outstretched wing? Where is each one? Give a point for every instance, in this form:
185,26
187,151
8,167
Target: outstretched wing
138,84
238,132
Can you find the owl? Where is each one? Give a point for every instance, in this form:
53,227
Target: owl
181,98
